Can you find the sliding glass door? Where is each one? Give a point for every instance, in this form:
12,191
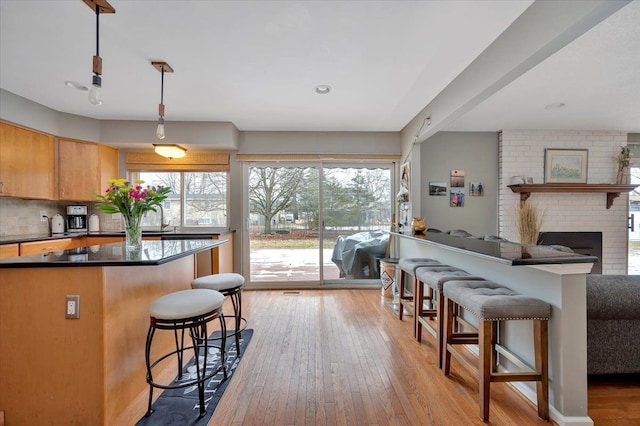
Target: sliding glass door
318,223
356,212
283,227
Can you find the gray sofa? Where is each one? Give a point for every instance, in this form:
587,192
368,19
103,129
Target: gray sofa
613,324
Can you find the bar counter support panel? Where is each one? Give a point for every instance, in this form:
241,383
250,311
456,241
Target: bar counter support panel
561,285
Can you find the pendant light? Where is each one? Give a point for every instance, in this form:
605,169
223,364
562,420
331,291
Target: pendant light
162,67
95,94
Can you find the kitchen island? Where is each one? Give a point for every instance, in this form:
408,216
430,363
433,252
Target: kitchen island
88,370
555,276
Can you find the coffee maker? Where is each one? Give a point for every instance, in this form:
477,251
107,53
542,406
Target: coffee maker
77,218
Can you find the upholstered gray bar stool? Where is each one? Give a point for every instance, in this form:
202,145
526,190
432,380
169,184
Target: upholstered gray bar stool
492,303
434,278
408,266
229,284
186,310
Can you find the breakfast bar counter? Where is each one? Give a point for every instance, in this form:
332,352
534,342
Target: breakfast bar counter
547,273
88,370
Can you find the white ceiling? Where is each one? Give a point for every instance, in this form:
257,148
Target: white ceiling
256,63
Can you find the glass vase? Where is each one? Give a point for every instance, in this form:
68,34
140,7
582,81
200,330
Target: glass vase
133,233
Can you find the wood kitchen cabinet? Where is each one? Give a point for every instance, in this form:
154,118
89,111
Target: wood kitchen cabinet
27,163
9,250
108,166
78,170
46,246
84,168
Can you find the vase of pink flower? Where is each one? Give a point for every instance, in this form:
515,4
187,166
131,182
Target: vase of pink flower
132,201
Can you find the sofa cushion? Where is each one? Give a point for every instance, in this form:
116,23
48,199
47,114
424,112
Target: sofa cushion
612,297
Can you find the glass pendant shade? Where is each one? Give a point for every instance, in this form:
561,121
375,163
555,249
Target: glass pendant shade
160,129
95,93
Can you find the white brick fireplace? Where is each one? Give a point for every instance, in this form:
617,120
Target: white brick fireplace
521,153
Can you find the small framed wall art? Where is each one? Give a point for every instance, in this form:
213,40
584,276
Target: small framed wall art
437,187
457,178
565,165
476,189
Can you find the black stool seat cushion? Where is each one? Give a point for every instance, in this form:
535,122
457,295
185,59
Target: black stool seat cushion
224,281
186,304
409,264
491,301
435,277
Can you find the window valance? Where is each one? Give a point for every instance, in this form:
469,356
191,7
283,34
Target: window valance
193,161
317,157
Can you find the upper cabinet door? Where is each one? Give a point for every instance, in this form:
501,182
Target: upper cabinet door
27,163
108,166
78,170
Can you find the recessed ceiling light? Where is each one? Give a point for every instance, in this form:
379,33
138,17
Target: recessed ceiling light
76,85
555,105
323,89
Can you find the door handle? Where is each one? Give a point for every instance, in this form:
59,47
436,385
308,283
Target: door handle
632,222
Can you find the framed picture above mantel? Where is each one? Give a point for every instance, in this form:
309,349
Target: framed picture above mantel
565,165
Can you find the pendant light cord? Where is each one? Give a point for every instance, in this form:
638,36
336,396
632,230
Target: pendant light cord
97,30
162,86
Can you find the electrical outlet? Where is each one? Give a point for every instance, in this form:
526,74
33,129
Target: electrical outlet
43,213
72,306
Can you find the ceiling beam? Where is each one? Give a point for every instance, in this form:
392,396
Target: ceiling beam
541,31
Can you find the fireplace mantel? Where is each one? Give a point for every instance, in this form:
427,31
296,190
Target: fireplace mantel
612,190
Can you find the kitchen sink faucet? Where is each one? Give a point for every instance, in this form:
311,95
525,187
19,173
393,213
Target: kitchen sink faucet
162,224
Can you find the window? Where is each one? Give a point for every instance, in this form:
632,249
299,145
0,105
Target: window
197,199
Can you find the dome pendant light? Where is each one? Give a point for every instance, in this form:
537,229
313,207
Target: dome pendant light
95,93
162,67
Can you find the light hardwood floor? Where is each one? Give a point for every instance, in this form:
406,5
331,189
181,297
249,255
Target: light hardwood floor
325,357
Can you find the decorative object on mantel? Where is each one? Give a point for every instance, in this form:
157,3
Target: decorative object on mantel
612,191
132,201
623,159
529,223
565,165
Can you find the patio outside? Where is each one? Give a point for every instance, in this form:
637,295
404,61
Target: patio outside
293,256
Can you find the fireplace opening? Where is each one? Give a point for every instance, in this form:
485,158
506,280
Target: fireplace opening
588,243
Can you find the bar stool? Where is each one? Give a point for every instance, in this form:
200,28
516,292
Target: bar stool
229,284
408,265
179,311
434,278
492,303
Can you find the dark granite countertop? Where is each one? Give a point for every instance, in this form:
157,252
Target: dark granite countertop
505,251
168,234
154,252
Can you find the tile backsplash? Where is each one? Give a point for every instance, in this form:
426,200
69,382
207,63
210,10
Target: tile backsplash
19,217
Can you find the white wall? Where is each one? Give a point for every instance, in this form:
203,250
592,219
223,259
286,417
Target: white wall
198,135
19,110
319,143
522,154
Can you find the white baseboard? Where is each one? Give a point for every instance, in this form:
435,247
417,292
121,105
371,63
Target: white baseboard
554,414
